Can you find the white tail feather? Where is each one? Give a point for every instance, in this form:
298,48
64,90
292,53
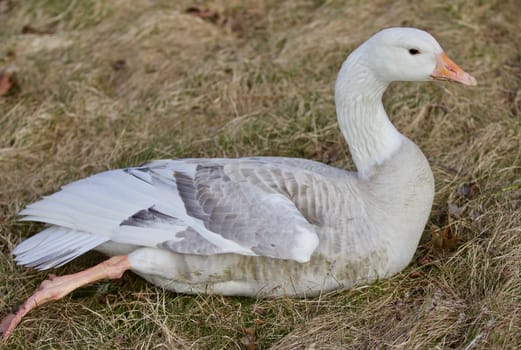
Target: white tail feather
89,212
54,247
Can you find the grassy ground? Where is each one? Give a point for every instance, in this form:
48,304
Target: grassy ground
112,84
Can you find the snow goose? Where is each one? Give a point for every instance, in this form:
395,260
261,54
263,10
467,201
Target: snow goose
258,226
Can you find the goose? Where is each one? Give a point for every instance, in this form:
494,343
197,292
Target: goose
258,226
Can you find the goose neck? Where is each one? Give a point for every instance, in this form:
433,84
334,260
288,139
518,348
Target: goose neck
371,136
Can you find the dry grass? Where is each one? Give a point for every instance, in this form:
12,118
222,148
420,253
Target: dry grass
117,83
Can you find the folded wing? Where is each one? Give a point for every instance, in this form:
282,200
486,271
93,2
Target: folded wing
243,206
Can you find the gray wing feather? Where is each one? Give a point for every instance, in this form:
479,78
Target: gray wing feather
252,203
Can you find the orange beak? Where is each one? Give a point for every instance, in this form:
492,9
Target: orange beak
448,70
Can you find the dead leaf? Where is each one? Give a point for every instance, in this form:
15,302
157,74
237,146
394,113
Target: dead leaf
259,310
416,274
119,64
250,331
332,153
249,339
454,210
444,239
468,189
10,54
207,15
121,339
397,315
424,260
27,29
328,153
8,81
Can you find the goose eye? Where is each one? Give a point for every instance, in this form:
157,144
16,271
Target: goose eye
414,51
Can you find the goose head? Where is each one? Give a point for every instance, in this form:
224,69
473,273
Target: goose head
410,54
393,54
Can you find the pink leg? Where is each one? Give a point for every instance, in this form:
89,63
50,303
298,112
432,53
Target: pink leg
56,288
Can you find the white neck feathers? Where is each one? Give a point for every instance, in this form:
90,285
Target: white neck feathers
371,137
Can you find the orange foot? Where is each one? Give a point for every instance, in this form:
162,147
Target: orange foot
55,288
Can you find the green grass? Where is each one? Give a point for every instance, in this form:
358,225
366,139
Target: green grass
260,81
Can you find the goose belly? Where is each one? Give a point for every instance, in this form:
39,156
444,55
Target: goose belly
231,274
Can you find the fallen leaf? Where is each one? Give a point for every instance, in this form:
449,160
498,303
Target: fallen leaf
119,64
397,315
259,310
333,152
121,339
27,29
326,153
424,260
416,274
8,81
207,15
454,210
10,54
249,339
444,239
468,189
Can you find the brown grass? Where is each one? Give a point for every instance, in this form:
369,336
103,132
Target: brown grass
116,83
